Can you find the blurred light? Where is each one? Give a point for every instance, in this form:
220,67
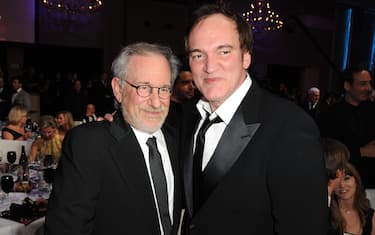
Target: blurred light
348,26
261,17
73,7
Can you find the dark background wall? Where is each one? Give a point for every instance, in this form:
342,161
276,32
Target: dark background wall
305,53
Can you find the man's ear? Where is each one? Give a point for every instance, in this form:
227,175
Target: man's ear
116,87
246,60
347,86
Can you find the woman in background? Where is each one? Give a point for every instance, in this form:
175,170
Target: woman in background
65,122
15,129
49,143
353,216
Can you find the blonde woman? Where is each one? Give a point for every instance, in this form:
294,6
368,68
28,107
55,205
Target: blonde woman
50,141
15,129
65,122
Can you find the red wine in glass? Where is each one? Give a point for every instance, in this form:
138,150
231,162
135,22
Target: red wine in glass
49,175
11,156
7,183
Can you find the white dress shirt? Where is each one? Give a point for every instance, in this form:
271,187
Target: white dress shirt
225,112
142,138
15,94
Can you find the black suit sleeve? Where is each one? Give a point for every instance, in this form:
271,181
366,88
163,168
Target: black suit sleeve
296,179
71,207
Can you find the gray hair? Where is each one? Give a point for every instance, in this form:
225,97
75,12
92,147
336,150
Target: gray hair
120,64
313,90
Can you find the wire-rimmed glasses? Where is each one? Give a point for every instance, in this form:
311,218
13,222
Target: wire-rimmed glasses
145,90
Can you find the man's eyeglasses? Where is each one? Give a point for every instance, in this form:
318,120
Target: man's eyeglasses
146,90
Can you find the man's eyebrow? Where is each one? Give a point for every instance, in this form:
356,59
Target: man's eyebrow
225,47
194,50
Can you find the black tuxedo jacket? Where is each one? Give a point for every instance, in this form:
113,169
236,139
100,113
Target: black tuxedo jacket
315,112
102,185
266,176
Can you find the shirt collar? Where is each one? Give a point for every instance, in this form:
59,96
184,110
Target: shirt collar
227,109
143,136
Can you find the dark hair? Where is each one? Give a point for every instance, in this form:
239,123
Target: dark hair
361,203
17,77
347,75
243,28
336,154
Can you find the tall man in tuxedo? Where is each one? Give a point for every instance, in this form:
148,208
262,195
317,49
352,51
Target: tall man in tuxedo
113,178
261,168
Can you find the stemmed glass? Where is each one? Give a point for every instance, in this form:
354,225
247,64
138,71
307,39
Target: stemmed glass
11,156
49,175
35,172
7,183
48,161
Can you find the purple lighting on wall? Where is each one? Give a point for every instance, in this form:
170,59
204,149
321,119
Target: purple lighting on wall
68,15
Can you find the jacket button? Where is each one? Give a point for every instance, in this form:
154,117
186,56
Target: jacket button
191,226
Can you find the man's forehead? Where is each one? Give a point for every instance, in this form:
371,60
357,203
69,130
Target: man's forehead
362,76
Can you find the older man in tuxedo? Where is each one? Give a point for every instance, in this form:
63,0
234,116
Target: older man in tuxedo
253,162
122,177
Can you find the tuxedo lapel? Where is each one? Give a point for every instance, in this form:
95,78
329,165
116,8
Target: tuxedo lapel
235,138
188,145
129,160
171,139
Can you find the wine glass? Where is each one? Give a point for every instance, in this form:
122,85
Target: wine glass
11,156
48,161
7,183
49,175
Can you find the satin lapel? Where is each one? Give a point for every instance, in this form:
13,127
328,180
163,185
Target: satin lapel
187,146
171,139
235,138
129,160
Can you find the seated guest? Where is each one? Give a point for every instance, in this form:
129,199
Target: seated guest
90,114
354,214
336,156
65,122
50,141
15,129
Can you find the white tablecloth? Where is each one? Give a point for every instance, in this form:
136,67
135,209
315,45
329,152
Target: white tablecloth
9,227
